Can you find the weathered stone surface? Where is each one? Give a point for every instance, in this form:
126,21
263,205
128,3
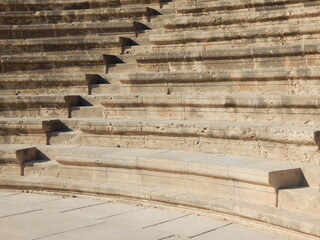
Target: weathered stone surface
233,86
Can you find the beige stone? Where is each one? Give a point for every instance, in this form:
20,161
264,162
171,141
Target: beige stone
211,105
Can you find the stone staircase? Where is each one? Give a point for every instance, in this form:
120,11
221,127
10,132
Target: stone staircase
205,104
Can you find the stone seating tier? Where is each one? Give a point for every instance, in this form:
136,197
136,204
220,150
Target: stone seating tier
281,109
33,5
99,14
206,104
46,83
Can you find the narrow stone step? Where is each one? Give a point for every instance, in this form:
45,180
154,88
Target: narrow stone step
228,19
283,109
27,130
33,5
32,17
30,62
63,44
258,5
283,142
122,68
296,55
66,29
16,153
248,52
154,166
13,156
304,199
265,80
46,83
304,30
37,106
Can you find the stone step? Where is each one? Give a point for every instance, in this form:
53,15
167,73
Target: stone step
36,62
34,5
68,29
27,130
285,109
296,55
303,199
297,224
16,153
301,80
311,176
105,89
230,35
257,5
160,168
281,142
78,15
253,16
208,174
37,106
121,68
47,83
87,43
13,156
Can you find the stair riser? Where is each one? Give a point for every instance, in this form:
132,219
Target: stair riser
41,6
263,115
10,170
109,48
311,176
227,87
246,17
47,90
245,63
35,113
39,33
197,184
257,148
25,66
23,139
25,19
292,200
207,44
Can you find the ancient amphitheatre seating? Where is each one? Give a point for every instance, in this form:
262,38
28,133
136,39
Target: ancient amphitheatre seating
206,104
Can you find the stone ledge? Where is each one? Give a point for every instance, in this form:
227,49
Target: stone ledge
226,130
33,79
237,53
276,174
58,43
234,107
13,5
206,36
281,142
46,83
17,154
305,200
301,224
29,17
20,102
28,126
30,62
212,101
37,106
65,29
228,19
280,74
199,7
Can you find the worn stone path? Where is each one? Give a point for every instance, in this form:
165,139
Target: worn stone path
33,216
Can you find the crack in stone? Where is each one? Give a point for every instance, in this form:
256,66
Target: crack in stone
212,230
173,219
